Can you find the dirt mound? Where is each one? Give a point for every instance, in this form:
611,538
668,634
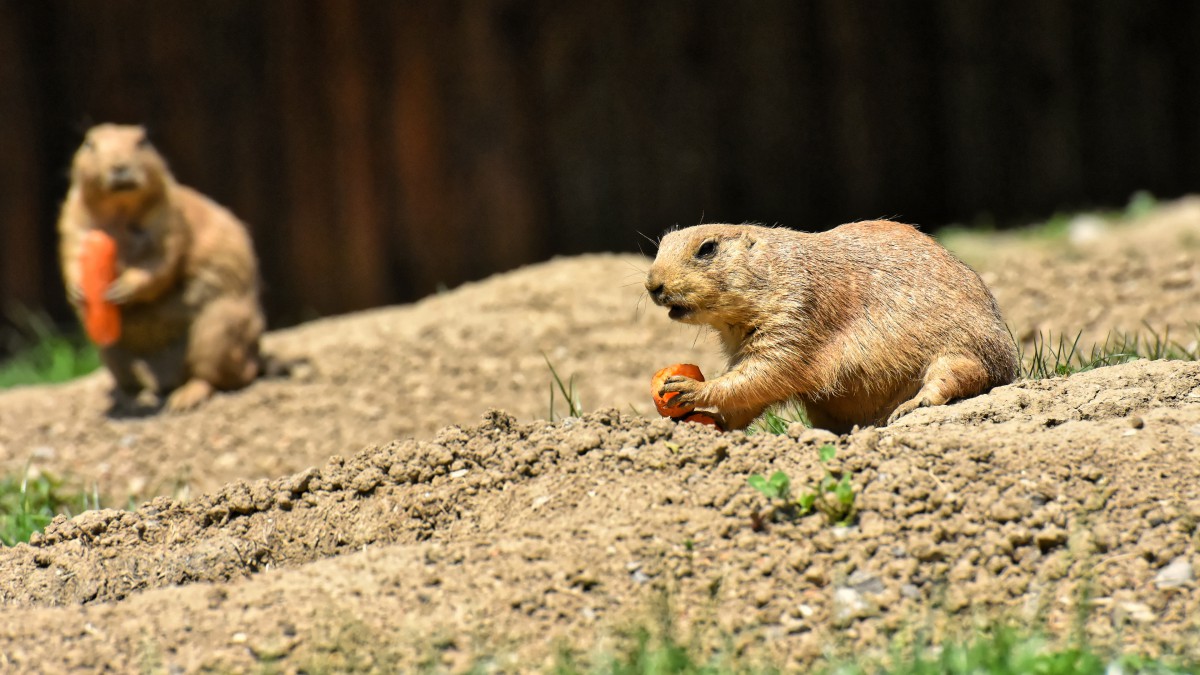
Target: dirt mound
498,534
368,378
408,371
494,543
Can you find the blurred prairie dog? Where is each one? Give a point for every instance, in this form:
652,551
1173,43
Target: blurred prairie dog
860,324
187,283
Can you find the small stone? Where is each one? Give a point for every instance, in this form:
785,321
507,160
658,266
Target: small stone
842,532
1086,229
1136,422
817,437
864,582
848,605
910,591
1133,611
1178,573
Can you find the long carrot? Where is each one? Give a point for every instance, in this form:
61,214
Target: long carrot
98,263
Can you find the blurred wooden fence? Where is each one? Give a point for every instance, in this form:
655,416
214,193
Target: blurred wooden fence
379,149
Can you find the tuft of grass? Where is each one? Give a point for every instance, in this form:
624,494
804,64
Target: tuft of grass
568,391
27,505
1001,650
1005,651
1047,356
776,420
42,353
656,646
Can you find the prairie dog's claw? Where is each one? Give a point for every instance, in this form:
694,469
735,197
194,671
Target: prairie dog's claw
678,383
907,407
118,292
685,386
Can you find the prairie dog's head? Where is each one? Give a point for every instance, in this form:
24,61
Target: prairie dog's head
118,170
705,274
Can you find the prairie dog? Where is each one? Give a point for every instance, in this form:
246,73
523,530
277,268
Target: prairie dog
187,283
860,324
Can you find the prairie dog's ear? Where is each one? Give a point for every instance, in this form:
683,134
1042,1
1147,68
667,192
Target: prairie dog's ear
745,239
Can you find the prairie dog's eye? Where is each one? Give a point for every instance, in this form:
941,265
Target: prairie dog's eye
708,249
88,144
143,143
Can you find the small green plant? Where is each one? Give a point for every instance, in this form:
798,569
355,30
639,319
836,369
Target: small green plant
568,391
42,353
833,495
777,487
27,505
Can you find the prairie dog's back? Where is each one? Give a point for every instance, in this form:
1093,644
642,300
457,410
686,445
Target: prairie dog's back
901,298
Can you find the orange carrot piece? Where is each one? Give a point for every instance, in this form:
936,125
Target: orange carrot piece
663,403
701,417
98,263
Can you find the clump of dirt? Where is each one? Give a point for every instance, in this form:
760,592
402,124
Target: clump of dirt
337,519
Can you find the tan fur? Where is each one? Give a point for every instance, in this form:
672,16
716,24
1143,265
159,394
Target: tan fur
188,277
860,324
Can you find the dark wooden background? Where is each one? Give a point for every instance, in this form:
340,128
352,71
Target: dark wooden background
381,149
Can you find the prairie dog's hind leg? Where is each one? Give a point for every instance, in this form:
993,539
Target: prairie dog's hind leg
222,350
949,377
225,342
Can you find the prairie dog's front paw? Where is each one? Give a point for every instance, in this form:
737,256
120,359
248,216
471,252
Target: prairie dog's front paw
687,388
190,395
75,293
127,286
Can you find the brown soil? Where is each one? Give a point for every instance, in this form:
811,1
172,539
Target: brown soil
289,526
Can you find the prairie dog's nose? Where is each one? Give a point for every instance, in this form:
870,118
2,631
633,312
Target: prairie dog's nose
655,287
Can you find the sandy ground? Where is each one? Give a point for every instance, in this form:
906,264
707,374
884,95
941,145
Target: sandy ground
374,509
